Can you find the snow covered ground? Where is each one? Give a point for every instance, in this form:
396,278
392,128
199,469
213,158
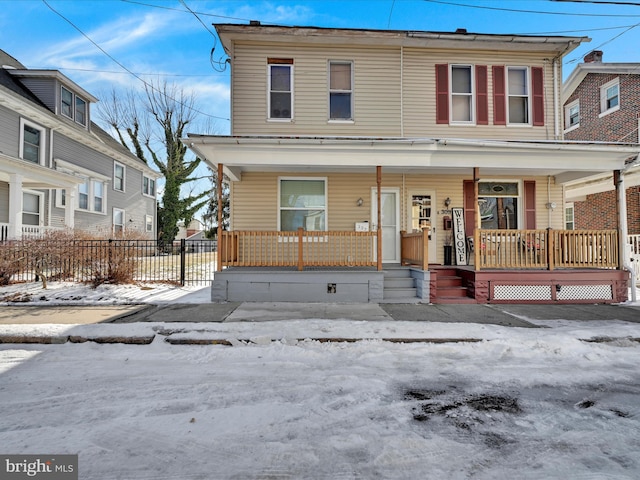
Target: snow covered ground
520,404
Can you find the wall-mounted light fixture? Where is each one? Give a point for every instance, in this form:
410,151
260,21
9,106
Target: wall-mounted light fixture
359,202
447,202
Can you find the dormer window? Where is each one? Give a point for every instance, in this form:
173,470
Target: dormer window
73,106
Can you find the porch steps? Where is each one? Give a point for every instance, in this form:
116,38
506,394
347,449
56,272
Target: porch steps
449,288
399,287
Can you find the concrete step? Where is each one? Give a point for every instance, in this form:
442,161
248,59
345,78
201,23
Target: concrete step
399,282
455,300
396,272
396,293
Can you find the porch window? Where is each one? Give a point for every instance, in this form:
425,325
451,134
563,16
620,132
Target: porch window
31,208
461,94
340,91
98,196
518,95
569,218
83,195
303,204
280,89
498,203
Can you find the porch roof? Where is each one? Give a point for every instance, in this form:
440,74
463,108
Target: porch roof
35,176
566,161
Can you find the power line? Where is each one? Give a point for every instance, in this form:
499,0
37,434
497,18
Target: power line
601,2
529,11
147,84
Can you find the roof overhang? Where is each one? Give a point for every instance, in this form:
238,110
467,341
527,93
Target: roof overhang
54,74
566,161
34,175
552,45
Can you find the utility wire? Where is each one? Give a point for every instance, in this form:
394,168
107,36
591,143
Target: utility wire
602,2
529,11
147,84
218,65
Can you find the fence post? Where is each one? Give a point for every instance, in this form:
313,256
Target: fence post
183,244
300,253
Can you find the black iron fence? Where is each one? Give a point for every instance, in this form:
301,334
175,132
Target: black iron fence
109,261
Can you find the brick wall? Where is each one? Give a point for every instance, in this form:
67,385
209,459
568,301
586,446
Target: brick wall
619,126
598,211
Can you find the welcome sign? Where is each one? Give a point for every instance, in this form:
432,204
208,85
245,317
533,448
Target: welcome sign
459,237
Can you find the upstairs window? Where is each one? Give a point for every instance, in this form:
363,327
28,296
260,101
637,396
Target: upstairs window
340,91
280,89
32,142
118,177
118,221
572,115
461,94
518,95
148,186
73,106
610,97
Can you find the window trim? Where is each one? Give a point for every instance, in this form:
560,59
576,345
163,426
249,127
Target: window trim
113,220
150,179
41,212
280,63
567,206
603,97
567,116
528,96
91,196
148,223
472,95
304,178
43,137
350,91
520,214
124,176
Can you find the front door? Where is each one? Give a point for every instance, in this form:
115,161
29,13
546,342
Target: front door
389,222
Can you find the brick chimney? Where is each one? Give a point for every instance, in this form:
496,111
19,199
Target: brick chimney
594,56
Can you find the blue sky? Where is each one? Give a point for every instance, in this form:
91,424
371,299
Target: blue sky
163,40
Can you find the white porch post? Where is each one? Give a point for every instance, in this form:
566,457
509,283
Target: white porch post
69,208
15,206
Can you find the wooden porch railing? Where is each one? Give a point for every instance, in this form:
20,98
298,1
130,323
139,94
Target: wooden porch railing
297,249
414,248
546,249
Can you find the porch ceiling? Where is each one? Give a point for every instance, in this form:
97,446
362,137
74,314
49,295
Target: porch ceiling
567,161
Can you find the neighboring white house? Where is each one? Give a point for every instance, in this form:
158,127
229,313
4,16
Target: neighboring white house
58,169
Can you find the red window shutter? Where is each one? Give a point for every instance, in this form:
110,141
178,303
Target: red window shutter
499,96
538,95
469,207
482,95
442,93
529,205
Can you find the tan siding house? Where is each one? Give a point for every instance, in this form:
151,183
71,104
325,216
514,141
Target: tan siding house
357,155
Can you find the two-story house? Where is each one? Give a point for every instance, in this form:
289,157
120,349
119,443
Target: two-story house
58,169
354,152
602,104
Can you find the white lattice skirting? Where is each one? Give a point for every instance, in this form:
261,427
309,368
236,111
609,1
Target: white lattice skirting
544,292
522,292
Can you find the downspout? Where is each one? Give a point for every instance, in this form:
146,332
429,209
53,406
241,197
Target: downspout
549,201
402,91
556,101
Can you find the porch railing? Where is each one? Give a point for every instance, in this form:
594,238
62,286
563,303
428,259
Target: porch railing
28,231
546,249
298,249
414,248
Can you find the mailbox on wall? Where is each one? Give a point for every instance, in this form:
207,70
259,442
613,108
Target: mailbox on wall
446,220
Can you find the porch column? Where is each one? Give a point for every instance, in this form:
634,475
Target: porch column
15,206
476,220
379,219
219,229
69,208
623,253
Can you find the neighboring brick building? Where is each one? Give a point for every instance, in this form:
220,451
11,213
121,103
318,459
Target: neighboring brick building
602,104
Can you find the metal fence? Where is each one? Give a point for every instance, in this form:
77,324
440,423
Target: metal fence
109,261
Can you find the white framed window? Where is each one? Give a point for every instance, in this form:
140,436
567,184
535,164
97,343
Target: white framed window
340,90
280,86
32,208
66,102
91,196
148,186
118,176
118,221
518,101
81,111
61,198
569,216
499,203
148,223
32,142
572,116
610,97
462,94
302,202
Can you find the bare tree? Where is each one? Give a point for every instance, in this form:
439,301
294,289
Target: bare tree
153,123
